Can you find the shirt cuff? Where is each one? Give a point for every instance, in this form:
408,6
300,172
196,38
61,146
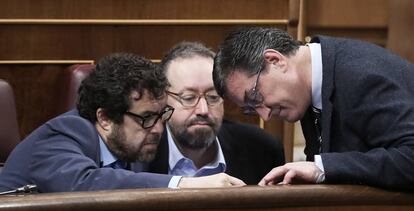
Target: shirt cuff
174,182
319,164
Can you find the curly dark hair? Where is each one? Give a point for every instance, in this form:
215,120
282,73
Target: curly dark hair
243,48
111,83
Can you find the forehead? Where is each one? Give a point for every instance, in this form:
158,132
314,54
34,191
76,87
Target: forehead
147,102
191,73
237,83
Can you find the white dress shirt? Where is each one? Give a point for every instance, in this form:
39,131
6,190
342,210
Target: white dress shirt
317,74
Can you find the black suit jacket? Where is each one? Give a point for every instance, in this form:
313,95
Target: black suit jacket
249,152
367,115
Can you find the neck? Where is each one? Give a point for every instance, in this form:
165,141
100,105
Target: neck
303,64
200,157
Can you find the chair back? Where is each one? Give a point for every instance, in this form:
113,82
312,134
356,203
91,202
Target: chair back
9,129
71,80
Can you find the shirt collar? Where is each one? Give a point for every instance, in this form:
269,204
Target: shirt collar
106,156
174,155
316,58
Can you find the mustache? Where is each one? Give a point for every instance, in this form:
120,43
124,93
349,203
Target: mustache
153,139
197,119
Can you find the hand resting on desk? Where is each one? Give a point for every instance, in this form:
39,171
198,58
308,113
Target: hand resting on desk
290,173
212,181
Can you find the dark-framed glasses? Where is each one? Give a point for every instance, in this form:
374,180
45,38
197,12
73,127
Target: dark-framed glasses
189,99
150,120
252,98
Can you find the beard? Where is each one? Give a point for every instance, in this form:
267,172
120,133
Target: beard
119,146
199,138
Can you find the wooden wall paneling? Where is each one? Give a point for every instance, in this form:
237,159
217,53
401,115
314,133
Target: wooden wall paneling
350,13
55,41
360,19
401,28
143,9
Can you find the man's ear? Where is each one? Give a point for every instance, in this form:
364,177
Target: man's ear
102,120
274,57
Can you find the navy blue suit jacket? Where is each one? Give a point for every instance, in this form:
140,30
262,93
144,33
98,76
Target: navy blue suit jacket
249,152
367,115
64,155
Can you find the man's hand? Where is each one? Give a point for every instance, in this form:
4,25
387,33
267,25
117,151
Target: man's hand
212,181
290,173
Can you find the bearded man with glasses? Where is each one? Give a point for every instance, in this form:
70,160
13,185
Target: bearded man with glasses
107,142
197,141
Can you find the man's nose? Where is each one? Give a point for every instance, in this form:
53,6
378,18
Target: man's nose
158,127
202,107
264,112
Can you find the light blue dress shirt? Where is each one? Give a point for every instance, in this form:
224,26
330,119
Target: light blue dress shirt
107,158
183,166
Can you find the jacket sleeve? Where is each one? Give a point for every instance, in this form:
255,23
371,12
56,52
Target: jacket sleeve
378,111
68,160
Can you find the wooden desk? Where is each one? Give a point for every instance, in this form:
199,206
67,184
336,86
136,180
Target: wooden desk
292,197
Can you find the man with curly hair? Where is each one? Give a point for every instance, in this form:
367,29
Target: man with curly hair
106,142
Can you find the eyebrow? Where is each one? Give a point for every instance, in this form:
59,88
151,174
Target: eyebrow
195,90
210,89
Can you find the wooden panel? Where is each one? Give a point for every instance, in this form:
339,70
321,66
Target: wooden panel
144,9
287,197
349,13
360,19
95,41
401,28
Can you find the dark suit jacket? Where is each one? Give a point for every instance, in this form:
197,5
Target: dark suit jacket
64,155
249,152
367,115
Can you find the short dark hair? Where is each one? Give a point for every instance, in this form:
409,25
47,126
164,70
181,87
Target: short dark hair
110,85
186,50
243,48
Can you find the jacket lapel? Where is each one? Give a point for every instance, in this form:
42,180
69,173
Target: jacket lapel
328,63
231,150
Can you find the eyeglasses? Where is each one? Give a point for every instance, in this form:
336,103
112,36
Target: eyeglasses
190,99
252,98
150,120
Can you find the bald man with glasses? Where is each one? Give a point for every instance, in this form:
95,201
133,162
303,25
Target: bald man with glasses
197,141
